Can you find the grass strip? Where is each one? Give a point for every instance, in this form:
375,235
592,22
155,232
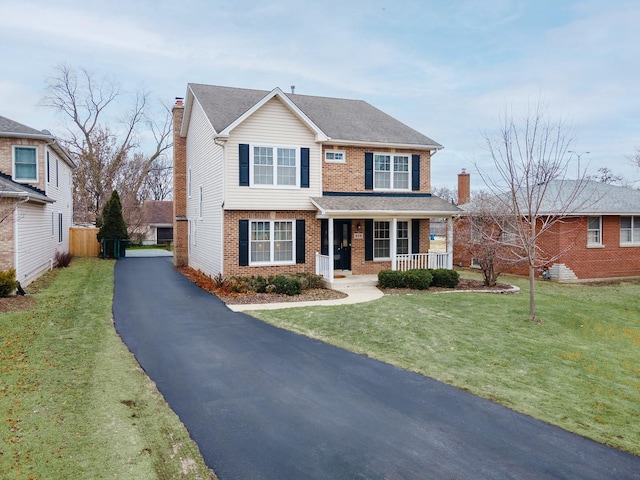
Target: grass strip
74,400
578,368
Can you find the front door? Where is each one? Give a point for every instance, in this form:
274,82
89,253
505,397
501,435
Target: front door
342,244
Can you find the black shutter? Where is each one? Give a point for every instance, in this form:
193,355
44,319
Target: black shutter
415,235
324,235
368,240
243,234
415,172
304,167
300,242
368,171
243,152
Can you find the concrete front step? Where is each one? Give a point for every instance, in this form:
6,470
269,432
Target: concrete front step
352,281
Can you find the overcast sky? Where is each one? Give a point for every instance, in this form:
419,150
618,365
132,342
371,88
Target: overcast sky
446,68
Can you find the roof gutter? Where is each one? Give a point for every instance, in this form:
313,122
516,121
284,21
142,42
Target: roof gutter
26,197
53,141
333,141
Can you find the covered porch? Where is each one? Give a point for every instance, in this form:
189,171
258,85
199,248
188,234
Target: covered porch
364,234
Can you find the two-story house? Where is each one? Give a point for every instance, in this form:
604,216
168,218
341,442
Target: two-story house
36,199
271,182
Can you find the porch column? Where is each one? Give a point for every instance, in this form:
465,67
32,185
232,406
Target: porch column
330,234
450,243
394,242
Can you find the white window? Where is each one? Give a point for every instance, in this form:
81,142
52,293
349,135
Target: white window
25,164
334,156
189,183
200,202
594,230
381,241
272,241
391,172
402,238
60,227
630,230
276,166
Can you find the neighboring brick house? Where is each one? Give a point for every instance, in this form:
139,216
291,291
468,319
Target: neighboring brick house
269,182
36,199
599,239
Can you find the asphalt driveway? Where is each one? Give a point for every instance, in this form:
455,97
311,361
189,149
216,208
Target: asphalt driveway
265,403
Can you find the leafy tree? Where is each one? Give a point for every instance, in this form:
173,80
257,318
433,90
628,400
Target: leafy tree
112,224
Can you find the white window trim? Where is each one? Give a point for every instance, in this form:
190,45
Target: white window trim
391,237
344,156
274,167
189,183
599,230
272,242
635,242
200,202
409,236
15,177
392,171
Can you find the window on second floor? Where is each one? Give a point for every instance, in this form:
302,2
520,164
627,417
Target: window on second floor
594,231
201,202
25,164
630,230
277,166
334,156
391,172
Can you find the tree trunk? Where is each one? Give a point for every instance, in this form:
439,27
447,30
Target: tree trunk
532,295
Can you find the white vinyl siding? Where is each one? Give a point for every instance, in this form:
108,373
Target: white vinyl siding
204,207
272,125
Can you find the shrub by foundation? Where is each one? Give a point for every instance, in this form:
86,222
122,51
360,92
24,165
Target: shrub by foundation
445,278
8,282
418,279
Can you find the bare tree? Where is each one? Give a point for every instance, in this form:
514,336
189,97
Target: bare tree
9,205
606,175
530,156
446,193
159,182
486,233
108,152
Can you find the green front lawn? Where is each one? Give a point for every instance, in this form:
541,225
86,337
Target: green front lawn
578,368
73,400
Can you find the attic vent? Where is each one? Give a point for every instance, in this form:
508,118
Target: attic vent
293,89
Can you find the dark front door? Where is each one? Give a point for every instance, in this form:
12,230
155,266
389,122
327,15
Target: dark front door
342,244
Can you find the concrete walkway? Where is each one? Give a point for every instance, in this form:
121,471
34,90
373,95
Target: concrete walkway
355,295
265,403
148,252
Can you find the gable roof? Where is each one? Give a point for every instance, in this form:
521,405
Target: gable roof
340,121
11,128
9,188
158,212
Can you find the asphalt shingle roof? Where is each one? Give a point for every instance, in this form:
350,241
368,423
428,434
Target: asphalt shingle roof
10,126
338,118
9,188
384,204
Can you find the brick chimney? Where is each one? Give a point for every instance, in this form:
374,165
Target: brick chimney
464,187
180,221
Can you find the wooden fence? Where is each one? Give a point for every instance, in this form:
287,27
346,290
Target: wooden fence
83,242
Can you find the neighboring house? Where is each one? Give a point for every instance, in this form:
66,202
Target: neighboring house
270,182
599,239
36,202
157,222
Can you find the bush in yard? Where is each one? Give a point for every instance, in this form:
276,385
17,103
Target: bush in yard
8,282
63,259
257,284
418,279
310,280
286,284
445,278
391,279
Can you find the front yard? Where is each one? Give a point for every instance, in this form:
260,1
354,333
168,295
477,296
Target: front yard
579,368
74,402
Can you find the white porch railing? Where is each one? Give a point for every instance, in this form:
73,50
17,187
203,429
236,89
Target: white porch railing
323,266
431,260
